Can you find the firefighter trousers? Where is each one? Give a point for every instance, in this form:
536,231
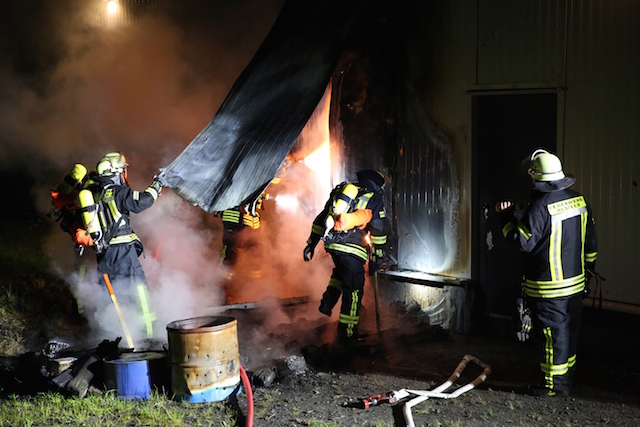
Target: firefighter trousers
557,325
348,274
121,265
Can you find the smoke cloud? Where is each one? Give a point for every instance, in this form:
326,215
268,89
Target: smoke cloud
76,83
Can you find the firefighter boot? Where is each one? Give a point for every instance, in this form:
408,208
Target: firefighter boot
329,300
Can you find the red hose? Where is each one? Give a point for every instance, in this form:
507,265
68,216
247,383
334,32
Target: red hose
249,393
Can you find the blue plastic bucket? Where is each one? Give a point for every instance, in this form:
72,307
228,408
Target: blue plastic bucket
130,375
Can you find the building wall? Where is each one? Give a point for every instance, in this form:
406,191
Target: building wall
586,51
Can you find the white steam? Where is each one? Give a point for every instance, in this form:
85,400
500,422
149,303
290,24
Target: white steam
147,87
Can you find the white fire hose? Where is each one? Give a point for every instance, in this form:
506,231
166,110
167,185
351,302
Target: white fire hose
438,392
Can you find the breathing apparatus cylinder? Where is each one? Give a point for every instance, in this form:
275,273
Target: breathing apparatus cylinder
345,199
342,203
89,211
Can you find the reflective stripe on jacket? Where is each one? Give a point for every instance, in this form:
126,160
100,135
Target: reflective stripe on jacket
557,235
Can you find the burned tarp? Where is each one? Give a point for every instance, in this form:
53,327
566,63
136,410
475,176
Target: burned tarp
239,152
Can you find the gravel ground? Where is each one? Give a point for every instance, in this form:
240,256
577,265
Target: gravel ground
332,387
315,383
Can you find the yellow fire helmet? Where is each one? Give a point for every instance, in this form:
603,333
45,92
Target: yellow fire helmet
112,164
546,170
545,166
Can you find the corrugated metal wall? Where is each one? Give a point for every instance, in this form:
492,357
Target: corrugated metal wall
587,51
602,132
520,42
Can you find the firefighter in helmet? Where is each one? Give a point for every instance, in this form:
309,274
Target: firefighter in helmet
242,245
238,225
352,212
64,200
118,247
556,235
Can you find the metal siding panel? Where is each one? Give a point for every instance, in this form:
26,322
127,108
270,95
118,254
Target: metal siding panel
427,189
602,128
441,48
520,41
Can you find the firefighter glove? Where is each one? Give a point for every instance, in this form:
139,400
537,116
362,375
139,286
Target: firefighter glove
83,238
161,178
524,314
157,184
308,252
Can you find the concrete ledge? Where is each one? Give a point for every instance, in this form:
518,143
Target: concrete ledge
420,278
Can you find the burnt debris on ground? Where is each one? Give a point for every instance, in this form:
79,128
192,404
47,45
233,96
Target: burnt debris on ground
606,370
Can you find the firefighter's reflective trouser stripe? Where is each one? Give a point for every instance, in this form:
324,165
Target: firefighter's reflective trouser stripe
349,274
558,323
82,271
147,316
350,320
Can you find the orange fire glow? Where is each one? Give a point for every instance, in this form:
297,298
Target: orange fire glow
320,160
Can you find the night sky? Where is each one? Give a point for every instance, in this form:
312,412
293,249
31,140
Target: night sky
74,86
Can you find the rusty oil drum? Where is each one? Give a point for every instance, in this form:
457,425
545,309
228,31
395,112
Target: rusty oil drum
204,357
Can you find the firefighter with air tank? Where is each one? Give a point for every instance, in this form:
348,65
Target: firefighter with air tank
106,204
353,212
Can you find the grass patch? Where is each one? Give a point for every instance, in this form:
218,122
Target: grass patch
30,294
52,409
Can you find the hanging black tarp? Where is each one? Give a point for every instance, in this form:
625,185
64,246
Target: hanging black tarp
239,152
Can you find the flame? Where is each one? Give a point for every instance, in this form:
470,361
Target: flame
367,239
320,160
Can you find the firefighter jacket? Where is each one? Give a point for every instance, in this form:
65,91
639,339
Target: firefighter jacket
353,241
557,236
118,201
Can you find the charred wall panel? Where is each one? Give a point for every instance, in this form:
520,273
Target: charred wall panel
427,194
364,100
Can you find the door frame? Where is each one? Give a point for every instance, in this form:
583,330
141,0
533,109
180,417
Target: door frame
481,276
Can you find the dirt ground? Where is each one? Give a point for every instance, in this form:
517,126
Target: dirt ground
315,383
333,387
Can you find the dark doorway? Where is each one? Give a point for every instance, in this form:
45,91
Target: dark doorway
506,129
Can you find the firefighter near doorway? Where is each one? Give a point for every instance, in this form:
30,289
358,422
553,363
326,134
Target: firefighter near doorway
557,238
